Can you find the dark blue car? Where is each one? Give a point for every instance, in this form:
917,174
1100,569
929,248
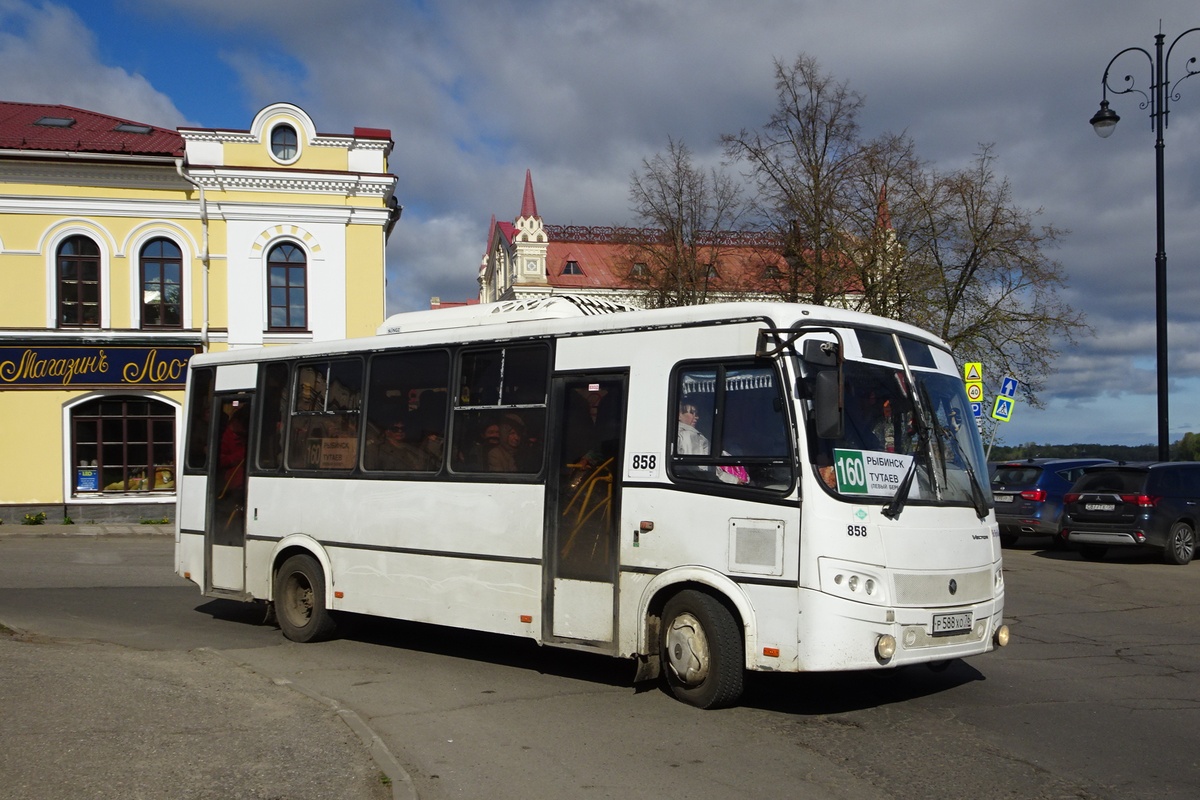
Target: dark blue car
1028,495
1153,505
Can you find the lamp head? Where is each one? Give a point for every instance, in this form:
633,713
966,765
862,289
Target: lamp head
1105,120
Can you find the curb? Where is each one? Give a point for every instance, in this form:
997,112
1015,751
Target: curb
91,529
402,785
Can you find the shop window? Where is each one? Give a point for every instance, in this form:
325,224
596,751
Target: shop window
78,270
161,265
123,445
287,289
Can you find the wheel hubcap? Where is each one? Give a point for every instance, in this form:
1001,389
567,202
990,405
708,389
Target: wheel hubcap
1184,543
300,600
687,650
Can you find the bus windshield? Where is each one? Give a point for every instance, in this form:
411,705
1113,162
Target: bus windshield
908,436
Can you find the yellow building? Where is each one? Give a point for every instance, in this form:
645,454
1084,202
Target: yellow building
126,248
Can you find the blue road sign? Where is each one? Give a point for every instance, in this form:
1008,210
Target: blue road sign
1003,409
977,409
1009,387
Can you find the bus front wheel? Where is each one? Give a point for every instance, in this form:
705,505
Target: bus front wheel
701,650
300,600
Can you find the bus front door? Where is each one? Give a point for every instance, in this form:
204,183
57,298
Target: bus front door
225,535
582,513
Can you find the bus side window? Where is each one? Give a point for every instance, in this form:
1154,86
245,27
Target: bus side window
406,411
500,410
200,407
731,426
272,407
324,420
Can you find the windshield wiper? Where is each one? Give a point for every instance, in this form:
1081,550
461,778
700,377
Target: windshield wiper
892,510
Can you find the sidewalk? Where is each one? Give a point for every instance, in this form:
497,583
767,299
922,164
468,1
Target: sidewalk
93,719
91,529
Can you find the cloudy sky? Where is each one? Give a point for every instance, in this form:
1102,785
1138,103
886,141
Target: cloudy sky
581,91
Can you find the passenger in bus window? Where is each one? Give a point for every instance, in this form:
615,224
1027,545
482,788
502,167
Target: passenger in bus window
395,452
690,441
503,456
433,444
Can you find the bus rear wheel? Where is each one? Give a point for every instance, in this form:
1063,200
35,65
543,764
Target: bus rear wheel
300,600
701,651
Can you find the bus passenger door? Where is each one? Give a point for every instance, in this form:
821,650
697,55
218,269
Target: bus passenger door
582,508
225,534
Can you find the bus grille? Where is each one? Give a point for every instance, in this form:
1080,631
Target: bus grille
924,589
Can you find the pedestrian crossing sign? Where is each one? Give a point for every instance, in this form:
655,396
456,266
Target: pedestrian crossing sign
1003,410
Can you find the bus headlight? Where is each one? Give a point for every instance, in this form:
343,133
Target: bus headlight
885,648
853,581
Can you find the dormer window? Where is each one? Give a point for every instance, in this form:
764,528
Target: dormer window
639,270
572,268
285,145
711,271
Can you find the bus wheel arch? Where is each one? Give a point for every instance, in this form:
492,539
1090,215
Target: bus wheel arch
709,612
301,586
702,653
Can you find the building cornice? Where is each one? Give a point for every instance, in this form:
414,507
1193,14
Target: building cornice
345,184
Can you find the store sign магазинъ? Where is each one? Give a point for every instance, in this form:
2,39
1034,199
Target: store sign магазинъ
63,367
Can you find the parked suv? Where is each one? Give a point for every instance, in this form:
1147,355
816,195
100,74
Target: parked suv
1028,495
1145,505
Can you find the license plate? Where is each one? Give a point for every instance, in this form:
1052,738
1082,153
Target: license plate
1003,498
1099,507
946,624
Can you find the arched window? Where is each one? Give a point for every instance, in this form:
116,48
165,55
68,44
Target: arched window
287,284
162,284
78,266
123,444
284,143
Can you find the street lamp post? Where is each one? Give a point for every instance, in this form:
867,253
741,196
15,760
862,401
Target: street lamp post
1161,93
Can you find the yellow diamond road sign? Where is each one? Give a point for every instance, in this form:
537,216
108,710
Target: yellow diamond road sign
973,371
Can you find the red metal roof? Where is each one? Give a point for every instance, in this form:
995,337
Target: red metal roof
57,128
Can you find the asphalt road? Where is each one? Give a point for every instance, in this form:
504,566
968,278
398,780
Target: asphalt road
1096,698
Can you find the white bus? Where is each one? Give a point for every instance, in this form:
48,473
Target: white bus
706,490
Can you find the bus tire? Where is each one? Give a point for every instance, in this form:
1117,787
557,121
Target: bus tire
300,600
701,648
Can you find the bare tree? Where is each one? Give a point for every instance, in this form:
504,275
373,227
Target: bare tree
866,223
802,164
678,258
990,289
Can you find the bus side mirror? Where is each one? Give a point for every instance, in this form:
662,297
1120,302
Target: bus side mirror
827,404
820,353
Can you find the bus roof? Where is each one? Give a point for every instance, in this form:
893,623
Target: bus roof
564,315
